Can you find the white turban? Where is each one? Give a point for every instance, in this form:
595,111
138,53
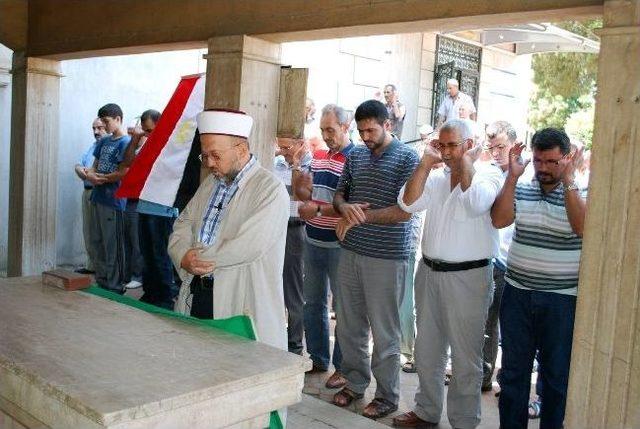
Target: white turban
225,122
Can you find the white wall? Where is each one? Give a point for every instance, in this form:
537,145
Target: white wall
350,71
136,83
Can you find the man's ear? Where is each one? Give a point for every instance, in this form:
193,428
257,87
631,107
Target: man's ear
387,125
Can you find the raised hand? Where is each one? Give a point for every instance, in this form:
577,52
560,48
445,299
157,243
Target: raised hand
571,162
474,153
516,164
431,154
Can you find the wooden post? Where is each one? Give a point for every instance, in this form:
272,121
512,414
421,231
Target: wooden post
604,385
243,73
291,103
33,181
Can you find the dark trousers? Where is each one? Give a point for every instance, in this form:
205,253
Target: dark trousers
133,260
530,321
202,300
491,327
158,277
292,280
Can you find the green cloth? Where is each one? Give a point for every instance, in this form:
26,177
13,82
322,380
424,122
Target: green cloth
238,325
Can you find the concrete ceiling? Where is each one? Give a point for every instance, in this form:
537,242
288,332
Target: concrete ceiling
63,29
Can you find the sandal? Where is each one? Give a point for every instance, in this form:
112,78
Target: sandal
409,367
379,408
345,397
535,408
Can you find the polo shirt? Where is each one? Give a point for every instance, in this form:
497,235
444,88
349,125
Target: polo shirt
367,178
326,169
545,252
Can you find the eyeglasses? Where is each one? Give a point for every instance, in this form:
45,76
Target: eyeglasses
549,162
450,145
203,157
496,147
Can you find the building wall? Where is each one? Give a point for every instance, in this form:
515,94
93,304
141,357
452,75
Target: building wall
350,71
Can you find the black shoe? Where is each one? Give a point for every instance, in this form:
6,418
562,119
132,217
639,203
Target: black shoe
84,271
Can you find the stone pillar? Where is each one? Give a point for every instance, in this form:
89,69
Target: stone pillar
604,385
33,181
243,73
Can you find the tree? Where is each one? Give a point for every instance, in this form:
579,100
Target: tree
565,84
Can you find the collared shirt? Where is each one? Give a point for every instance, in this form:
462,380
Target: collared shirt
545,252
282,169
220,199
326,169
450,107
367,178
457,225
87,161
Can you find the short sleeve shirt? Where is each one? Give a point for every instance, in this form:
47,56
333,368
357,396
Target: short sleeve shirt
109,152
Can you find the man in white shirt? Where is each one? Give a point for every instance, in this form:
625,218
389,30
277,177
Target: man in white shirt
453,283
450,106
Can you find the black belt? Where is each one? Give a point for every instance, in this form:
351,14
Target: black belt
455,266
295,222
88,187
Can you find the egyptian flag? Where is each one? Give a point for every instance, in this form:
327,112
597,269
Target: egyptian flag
160,171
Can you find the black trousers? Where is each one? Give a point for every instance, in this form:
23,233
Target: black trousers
202,302
292,277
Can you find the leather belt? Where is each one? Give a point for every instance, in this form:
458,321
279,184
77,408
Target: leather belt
455,266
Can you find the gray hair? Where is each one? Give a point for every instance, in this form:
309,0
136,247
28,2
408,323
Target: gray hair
461,126
500,127
453,82
343,117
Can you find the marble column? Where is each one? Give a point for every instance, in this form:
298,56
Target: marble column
243,73
604,386
33,181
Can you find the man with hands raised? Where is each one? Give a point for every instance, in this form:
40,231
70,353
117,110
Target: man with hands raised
375,235
453,284
539,298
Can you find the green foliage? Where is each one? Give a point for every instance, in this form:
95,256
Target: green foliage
565,86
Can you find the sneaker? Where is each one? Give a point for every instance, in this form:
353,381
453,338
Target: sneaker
133,284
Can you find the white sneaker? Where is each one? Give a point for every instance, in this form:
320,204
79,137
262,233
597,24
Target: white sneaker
133,284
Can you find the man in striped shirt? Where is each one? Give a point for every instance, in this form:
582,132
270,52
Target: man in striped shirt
322,249
375,235
539,299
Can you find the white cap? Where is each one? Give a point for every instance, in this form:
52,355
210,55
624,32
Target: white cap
225,122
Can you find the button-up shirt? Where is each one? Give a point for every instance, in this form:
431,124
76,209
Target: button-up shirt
457,225
282,169
450,106
220,199
87,161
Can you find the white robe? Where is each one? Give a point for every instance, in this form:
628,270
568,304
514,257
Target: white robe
248,252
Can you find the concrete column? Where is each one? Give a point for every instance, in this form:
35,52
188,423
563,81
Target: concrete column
604,386
33,183
243,73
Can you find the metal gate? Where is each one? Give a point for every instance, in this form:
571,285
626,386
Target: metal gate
458,60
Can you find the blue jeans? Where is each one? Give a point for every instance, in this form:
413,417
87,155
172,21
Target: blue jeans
320,267
530,321
157,276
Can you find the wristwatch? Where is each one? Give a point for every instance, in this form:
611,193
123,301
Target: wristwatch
318,212
573,186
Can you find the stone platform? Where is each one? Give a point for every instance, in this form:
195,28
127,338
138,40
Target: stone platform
74,360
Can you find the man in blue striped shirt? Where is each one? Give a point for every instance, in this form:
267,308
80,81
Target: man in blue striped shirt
376,242
539,298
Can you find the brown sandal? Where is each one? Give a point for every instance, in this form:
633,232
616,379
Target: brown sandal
345,397
379,408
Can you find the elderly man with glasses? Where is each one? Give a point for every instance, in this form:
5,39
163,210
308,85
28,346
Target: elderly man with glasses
453,282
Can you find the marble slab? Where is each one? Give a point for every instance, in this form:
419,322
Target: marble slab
74,360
